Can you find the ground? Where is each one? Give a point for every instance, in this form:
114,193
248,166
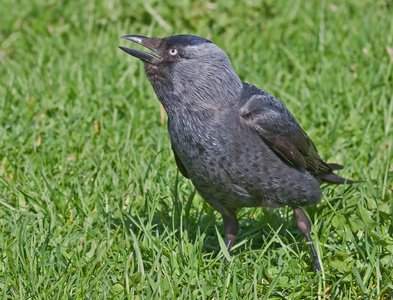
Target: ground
91,203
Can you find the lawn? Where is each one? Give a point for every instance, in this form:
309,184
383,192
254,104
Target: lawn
91,203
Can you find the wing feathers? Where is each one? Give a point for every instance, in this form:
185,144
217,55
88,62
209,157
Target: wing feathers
180,165
280,131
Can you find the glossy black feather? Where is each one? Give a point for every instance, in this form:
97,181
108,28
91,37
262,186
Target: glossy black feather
280,131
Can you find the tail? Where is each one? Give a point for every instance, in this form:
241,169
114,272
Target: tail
333,178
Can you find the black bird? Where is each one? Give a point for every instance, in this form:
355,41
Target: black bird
239,145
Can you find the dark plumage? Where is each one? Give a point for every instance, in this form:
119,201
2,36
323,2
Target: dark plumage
239,145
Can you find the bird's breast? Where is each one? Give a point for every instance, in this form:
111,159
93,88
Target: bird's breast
217,155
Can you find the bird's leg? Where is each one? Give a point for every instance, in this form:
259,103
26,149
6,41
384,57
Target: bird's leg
231,226
304,225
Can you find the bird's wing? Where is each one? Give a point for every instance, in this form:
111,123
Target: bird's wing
180,165
280,131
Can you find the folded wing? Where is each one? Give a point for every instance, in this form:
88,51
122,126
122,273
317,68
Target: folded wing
280,131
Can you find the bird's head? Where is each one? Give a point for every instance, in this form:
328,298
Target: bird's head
185,64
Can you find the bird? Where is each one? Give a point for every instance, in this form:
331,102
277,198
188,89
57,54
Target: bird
239,145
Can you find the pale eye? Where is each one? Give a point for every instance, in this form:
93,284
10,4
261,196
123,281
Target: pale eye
173,51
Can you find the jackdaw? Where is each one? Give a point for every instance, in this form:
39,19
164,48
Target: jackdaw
239,145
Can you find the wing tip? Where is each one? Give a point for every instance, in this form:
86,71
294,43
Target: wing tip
335,166
334,178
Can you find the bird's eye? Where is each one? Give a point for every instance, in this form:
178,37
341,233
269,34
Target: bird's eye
173,51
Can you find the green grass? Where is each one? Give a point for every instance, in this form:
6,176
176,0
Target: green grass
91,203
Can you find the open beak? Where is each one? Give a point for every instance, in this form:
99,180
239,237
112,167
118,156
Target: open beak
150,43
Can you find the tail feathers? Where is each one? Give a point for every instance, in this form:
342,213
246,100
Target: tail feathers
334,178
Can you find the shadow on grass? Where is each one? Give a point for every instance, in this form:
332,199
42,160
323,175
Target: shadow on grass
256,226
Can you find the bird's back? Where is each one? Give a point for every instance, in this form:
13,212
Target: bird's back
280,131
231,165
